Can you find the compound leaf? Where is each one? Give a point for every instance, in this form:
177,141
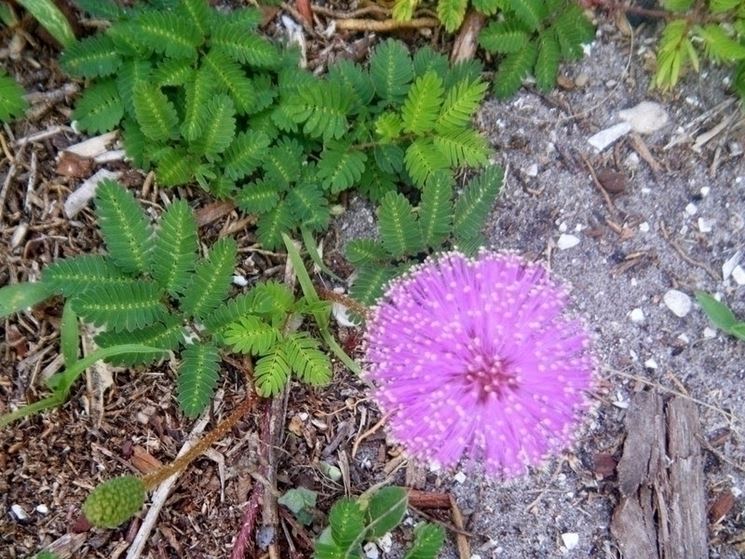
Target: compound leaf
175,248
197,377
212,280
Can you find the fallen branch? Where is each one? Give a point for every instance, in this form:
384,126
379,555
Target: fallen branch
386,25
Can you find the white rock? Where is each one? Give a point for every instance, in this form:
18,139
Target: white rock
705,191
18,512
570,539
684,338
636,315
650,364
341,314
729,266
646,117
691,209
385,543
705,225
371,550
42,509
609,136
460,477
738,274
93,147
644,227
86,191
562,227
567,241
240,281
709,332
532,171
678,302
632,162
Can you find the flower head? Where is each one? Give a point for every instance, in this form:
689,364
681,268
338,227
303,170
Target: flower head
474,359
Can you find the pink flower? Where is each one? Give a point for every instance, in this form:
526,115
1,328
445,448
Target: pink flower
474,359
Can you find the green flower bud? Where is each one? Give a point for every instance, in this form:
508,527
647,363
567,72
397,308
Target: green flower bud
114,502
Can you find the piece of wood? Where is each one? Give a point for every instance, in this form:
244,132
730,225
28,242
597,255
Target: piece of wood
661,513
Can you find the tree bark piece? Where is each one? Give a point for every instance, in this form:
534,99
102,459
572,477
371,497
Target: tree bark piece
662,510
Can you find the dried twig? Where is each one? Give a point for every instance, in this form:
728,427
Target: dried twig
465,43
386,25
464,548
598,185
683,255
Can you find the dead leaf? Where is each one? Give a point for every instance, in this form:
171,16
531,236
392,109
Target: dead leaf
144,461
73,165
721,506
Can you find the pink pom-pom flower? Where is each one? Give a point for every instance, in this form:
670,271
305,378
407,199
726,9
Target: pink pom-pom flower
474,358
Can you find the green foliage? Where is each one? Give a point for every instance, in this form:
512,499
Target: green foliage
114,502
445,217
12,103
51,18
721,315
533,37
720,36
355,521
301,502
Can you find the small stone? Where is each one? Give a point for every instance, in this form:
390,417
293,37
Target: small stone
567,241
738,274
729,266
704,191
678,302
650,364
691,209
705,225
735,149
645,118
18,512
42,509
371,550
609,136
460,477
632,162
385,543
562,227
240,281
709,332
684,338
570,540
644,227
636,315
532,171
581,80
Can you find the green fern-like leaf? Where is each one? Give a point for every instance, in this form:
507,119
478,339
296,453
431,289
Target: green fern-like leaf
272,372
529,12
198,93
211,281
398,228
219,127
244,154
175,166
197,377
155,113
258,197
12,103
428,540
347,523
436,209
451,13
490,7
198,14
246,48
174,72
91,57
365,251
370,282
340,168
306,360
309,206
355,82
403,10
124,227
100,108
389,157
136,144
121,307
270,300
282,162
175,248
719,45
167,334
720,6
503,37
273,224
323,109
389,126
251,335
572,29
230,78
426,59
422,159
166,33
73,276
131,73
460,104
101,9
422,105
677,5
513,69
466,148
672,53
473,205
391,70
547,62
376,183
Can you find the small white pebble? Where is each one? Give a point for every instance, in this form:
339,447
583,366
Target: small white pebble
460,477
705,225
736,491
303,416
650,364
644,227
678,302
684,338
570,539
710,332
636,315
729,266
42,509
691,209
567,241
532,171
371,551
705,191
738,274
475,556
240,281
562,227
385,543
18,512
